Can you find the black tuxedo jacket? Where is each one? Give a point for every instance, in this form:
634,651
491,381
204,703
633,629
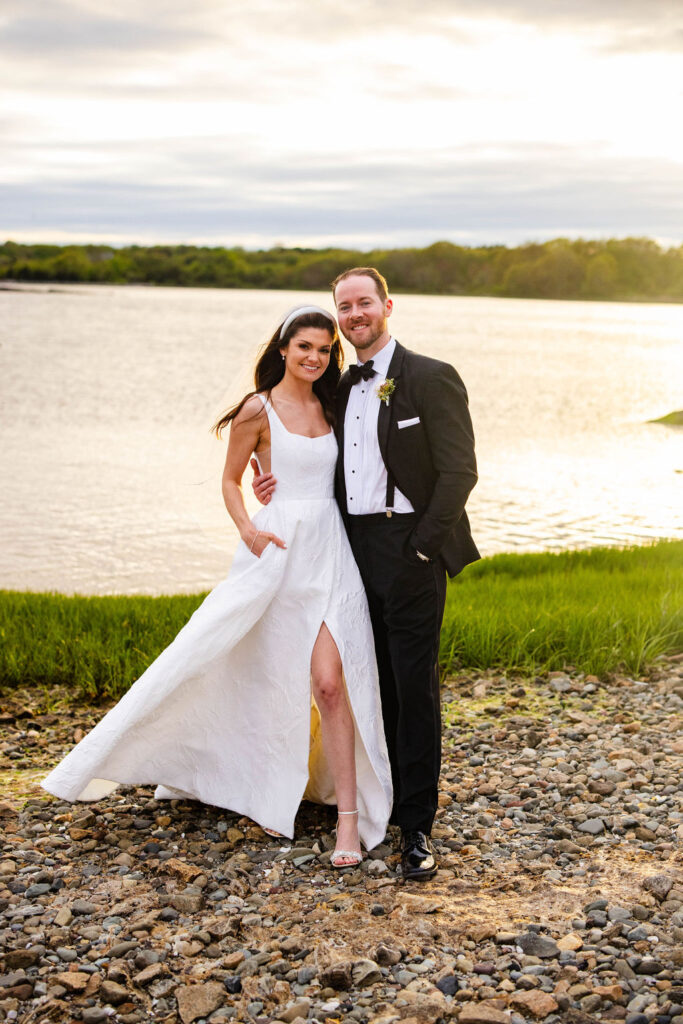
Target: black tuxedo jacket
432,459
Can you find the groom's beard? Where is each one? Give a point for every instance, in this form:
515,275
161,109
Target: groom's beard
370,335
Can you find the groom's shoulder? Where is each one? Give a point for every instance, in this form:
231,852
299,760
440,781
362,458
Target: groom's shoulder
417,364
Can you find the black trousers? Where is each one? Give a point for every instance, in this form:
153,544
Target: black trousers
406,598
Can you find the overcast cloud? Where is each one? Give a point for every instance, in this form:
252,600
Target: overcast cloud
377,124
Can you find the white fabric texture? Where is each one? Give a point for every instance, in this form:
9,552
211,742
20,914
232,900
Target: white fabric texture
365,474
225,715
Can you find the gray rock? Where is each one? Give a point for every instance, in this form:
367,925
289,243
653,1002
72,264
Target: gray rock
146,957
593,826
561,684
405,977
120,949
624,970
386,956
658,885
448,985
82,907
67,955
537,945
40,889
296,852
649,967
427,965
94,1014
365,972
639,1003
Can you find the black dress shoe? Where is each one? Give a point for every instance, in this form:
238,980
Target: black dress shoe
417,856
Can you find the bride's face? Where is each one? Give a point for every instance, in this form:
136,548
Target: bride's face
308,354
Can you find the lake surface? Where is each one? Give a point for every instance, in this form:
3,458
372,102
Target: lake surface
111,479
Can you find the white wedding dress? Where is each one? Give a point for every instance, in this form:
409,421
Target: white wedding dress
225,715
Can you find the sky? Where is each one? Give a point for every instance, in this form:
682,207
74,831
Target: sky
380,123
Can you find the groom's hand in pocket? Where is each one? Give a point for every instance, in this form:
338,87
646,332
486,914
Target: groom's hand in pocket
263,484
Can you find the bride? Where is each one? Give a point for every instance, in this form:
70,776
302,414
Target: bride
269,693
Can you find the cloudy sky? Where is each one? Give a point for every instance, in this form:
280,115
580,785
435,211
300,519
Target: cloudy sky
364,123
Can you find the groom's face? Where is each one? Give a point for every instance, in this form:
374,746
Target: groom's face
361,313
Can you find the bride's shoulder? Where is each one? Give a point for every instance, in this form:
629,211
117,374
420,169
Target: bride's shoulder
254,406
252,414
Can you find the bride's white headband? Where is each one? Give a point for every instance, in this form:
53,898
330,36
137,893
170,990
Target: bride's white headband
300,311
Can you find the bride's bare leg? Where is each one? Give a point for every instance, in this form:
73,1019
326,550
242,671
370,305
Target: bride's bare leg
337,733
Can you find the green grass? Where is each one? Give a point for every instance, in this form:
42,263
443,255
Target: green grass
598,610
672,419
97,646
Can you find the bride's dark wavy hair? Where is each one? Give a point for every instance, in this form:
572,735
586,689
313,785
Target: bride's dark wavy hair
270,368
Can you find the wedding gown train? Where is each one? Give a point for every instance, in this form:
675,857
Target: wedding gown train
225,715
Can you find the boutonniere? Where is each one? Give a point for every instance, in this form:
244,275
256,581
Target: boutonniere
385,391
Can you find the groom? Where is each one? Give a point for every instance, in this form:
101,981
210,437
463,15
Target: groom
405,469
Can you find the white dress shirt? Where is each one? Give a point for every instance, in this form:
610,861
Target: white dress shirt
365,474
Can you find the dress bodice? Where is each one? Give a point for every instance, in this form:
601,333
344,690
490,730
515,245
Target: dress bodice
303,466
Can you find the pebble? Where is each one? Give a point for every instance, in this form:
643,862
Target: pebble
147,911
594,826
537,945
94,1014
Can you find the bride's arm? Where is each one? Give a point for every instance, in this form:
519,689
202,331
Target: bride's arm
245,432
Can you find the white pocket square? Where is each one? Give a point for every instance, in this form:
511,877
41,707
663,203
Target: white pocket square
407,423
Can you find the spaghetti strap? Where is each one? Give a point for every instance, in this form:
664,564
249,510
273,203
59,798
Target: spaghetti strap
267,405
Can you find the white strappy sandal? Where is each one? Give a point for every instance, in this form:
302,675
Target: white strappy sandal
353,857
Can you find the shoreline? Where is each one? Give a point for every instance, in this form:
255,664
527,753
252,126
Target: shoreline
70,287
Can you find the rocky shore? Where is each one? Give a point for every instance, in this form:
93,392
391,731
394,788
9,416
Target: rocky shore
559,897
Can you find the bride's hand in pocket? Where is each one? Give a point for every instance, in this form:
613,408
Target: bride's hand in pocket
259,541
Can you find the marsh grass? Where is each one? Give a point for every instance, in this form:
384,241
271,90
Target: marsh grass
96,645
598,610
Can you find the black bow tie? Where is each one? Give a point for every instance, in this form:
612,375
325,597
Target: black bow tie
362,372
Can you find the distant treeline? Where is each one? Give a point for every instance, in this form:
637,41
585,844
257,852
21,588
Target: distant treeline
626,269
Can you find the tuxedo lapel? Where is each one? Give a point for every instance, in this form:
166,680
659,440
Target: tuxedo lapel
386,410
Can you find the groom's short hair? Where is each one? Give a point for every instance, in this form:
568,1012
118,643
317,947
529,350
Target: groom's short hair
380,282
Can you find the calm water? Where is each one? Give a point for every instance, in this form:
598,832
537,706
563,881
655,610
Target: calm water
111,480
